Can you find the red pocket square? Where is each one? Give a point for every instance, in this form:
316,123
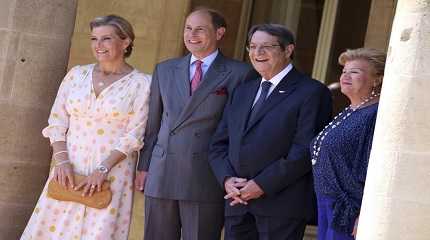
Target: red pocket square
221,91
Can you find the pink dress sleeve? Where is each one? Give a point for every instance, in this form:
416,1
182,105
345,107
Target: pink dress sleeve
132,139
58,122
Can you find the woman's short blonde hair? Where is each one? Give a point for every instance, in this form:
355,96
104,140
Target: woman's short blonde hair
122,28
374,57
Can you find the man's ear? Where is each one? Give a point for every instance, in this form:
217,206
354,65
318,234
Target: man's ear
289,49
220,33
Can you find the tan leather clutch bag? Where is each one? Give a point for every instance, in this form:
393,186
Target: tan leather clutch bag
97,200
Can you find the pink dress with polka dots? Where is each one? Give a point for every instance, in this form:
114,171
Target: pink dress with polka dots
93,127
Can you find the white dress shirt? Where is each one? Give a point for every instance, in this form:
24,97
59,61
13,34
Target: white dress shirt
275,81
207,61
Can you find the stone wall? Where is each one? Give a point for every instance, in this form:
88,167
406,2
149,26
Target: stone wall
379,25
396,203
158,27
34,48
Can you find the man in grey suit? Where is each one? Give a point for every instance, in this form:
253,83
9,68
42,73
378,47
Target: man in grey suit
188,94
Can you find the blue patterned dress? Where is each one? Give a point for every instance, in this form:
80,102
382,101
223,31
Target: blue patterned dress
340,169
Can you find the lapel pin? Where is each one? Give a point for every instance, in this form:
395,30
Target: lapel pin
281,91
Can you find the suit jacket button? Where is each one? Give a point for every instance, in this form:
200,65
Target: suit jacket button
197,134
172,133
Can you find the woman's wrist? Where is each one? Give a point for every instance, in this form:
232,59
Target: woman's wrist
106,165
59,152
60,156
102,168
61,162
109,162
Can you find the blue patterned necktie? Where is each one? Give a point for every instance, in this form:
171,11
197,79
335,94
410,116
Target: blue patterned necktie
265,86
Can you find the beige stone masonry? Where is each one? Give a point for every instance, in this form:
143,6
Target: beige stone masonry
325,37
158,27
396,203
380,23
34,48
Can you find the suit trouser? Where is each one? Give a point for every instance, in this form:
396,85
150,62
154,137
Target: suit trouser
166,219
251,227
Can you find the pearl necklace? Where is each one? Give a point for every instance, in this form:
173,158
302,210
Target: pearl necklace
316,148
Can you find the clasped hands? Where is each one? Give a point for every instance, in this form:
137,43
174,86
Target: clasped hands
64,175
240,190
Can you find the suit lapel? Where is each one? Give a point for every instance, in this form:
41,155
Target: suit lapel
246,101
181,75
213,77
282,90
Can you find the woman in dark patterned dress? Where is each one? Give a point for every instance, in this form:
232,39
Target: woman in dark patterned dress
340,152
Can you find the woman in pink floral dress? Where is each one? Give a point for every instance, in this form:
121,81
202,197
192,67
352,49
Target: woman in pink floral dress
95,127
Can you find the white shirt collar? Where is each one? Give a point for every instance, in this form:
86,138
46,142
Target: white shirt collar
275,80
207,61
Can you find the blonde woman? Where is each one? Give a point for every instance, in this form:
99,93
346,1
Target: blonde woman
340,152
96,125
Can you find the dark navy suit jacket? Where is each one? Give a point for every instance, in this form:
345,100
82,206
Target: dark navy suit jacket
273,150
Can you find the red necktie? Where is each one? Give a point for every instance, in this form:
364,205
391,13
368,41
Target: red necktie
197,76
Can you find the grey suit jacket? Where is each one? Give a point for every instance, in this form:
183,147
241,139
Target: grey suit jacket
180,127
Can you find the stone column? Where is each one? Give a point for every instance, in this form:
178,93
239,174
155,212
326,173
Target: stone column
34,48
287,12
379,25
322,56
396,203
242,33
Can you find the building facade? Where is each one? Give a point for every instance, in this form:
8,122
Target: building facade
40,40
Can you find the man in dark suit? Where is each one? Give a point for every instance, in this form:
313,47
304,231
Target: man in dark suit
188,94
260,150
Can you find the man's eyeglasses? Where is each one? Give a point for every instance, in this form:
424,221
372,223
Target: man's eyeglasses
264,48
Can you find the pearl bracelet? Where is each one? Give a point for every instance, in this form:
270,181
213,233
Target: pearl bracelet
62,162
56,153
59,152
